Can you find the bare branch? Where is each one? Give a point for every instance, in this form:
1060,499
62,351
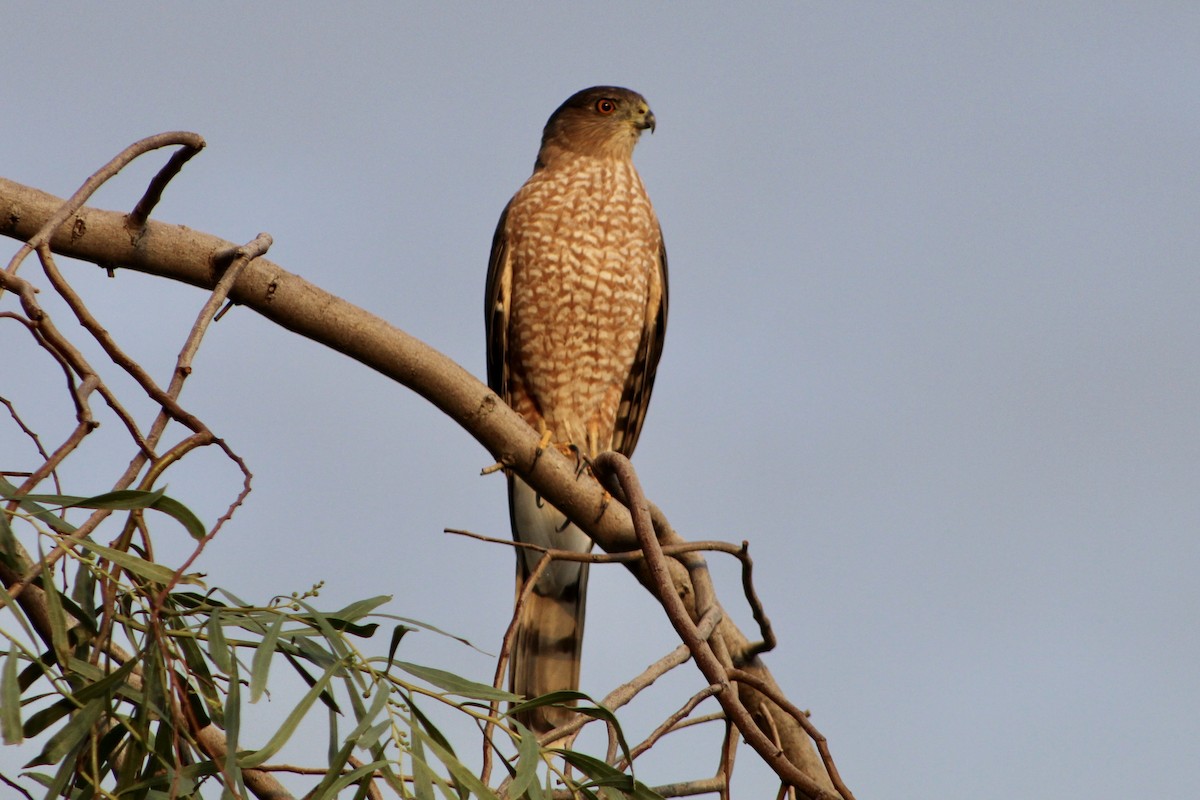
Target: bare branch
192,257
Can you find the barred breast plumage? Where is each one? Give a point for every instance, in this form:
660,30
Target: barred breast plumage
580,236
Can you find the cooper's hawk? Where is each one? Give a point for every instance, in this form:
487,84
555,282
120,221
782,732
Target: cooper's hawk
576,309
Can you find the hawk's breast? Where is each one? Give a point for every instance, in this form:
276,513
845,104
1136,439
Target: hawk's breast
584,246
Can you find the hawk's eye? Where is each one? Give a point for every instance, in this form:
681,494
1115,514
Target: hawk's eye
606,106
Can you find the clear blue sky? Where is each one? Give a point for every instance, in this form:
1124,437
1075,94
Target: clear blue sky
933,345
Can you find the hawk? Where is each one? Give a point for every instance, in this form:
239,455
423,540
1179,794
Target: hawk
576,309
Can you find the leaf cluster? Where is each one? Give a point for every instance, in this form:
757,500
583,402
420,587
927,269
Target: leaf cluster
132,677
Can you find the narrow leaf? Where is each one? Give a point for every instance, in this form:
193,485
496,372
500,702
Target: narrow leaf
57,617
336,762
603,774
190,522
368,716
120,500
10,699
357,774
83,593
397,634
528,758
43,718
10,554
260,666
155,573
338,623
125,500
233,724
8,491
7,602
361,608
422,775
218,649
326,697
455,684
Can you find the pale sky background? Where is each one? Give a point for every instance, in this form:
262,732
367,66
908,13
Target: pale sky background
935,272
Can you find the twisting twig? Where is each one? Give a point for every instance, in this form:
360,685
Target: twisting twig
141,212
74,360
756,606
48,335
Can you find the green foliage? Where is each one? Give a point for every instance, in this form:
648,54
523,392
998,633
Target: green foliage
115,668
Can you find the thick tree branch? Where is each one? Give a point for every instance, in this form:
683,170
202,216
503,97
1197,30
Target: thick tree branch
182,254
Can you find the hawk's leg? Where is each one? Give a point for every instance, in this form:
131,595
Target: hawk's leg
547,435
544,441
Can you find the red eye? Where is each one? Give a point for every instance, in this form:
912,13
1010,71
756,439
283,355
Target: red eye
606,106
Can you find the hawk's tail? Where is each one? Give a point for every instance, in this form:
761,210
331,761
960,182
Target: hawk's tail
548,642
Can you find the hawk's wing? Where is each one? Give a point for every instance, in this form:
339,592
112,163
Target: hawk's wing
496,309
635,397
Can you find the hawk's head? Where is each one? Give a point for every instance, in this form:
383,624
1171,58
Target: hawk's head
603,121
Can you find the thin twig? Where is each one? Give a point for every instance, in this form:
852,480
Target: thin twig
141,212
729,748
668,725
626,557
756,607
106,341
37,442
691,721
